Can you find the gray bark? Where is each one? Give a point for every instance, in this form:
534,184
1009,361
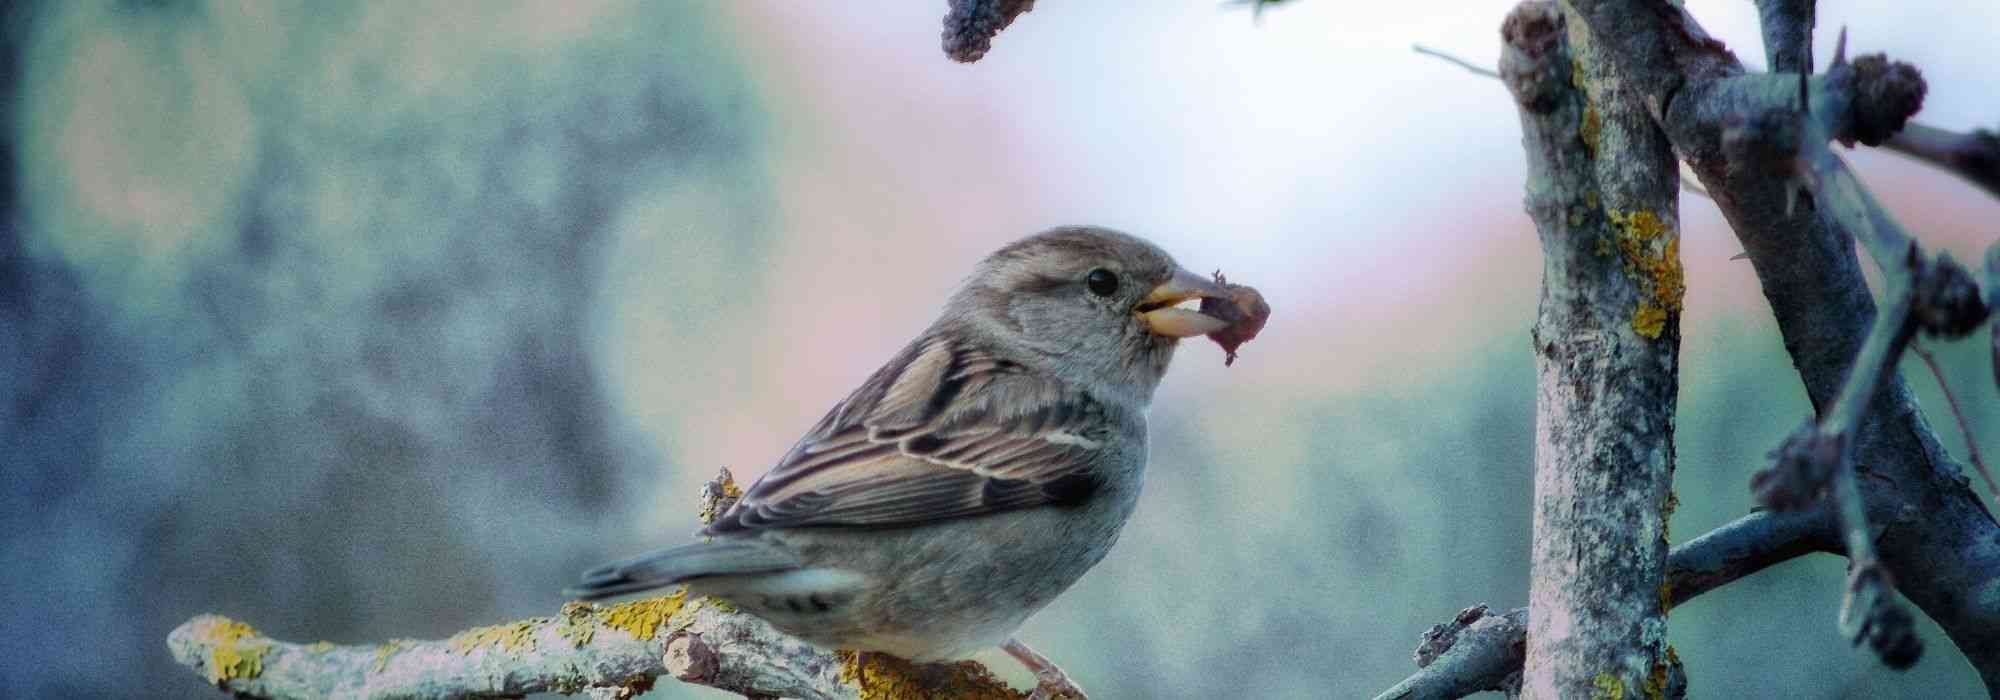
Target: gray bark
1937,540
1603,191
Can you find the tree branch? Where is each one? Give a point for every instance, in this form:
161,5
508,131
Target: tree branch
1958,414
1603,191
1974,156
1454,664
1755,160
612,651
1456,61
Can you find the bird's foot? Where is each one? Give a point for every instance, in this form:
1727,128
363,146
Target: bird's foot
1050,681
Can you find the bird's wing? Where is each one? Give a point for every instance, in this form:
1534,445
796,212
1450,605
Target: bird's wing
943,431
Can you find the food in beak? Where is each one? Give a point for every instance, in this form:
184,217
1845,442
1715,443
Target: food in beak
1177,322
1243,312
1162,315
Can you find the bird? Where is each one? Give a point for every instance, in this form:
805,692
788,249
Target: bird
971,479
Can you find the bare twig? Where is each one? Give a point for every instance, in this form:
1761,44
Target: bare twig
1454,60
1964,426
1973,156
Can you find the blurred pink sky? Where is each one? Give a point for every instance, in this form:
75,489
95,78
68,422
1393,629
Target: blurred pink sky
1372,193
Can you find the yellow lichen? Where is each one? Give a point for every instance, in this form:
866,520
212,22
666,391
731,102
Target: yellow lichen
512,636
718,495
1649,321
1607,687
320,647
384,652
234,651
574,624
885,677
642,618
1666,596
1651,252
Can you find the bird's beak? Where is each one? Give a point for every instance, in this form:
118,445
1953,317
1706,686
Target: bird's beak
1161,315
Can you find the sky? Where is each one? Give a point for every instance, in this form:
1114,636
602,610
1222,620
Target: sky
384,320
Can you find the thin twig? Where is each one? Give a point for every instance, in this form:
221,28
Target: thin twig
1460,62
1964,426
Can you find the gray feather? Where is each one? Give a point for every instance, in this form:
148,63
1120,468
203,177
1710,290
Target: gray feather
674,565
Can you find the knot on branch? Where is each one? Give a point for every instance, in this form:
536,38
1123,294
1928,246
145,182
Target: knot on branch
717,495
1533,66
970,25
1799,470
1439,638
1945,300
1885,94
1769,139
1888,629
692,660
1475,651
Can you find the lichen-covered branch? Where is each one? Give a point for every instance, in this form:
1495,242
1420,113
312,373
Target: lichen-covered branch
1602,189
613,651
1766,163
616,650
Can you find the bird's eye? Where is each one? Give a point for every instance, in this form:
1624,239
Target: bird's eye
1101,282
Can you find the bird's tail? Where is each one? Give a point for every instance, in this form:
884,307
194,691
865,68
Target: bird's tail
674,565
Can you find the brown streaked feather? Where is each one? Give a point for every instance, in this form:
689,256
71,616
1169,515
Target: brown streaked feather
943,431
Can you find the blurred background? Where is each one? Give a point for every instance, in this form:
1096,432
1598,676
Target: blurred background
359,321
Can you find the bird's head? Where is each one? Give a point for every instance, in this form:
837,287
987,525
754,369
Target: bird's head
1090,305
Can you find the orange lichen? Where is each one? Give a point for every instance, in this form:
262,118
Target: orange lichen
885,677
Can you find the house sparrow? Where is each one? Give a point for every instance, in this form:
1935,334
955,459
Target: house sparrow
971,479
